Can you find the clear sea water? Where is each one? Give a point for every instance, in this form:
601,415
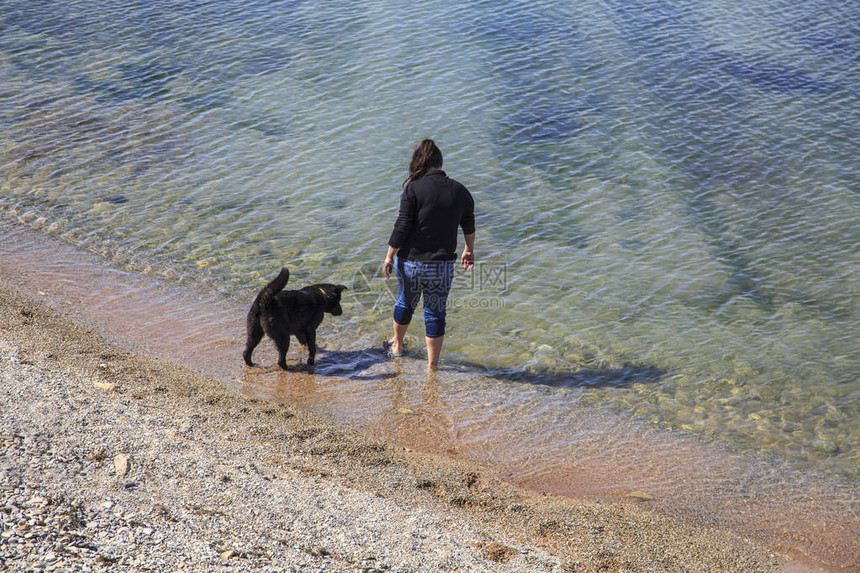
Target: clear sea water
667,194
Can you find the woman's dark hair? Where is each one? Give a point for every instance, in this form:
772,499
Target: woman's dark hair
425,157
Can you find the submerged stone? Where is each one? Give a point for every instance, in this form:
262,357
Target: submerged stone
840,42
772,76
265,61
550,123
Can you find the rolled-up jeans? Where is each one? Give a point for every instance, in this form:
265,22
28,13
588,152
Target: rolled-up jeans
430,280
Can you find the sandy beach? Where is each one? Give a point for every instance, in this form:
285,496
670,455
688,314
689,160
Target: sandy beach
115,461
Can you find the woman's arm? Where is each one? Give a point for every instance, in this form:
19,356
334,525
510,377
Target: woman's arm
402,226
467,222
468,257
388,264
405,219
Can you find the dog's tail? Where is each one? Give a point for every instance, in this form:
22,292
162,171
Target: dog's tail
272,288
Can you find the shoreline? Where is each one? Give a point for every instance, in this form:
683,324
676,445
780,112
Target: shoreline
116,460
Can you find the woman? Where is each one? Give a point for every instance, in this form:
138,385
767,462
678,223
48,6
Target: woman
422,247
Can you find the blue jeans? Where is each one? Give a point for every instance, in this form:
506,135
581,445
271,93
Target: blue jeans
430,280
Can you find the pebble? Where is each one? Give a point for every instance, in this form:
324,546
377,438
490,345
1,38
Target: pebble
88,521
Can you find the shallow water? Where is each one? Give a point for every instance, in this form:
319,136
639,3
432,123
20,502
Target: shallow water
667,194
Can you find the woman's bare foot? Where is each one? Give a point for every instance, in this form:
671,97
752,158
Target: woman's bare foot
434,348
394,350
395,344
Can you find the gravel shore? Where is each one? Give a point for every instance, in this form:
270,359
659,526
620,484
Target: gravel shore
110,460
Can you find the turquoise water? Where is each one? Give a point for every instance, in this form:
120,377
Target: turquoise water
667,194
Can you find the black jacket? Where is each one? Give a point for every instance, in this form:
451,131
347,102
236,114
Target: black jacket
431,210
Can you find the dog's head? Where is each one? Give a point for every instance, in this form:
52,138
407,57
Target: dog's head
332,295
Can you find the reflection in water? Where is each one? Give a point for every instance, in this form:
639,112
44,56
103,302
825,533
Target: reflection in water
418,415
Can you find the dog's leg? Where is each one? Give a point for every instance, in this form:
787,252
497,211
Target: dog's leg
312,346
255,335
283,344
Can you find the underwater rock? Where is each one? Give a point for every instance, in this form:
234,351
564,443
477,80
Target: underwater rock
626,214
153,75
136,81
844,43
265,61
632,244
772,76
269,126
330,261
206,101
829,447
579,241
538,125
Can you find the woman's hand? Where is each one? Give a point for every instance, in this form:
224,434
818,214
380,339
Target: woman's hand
468,259
388,266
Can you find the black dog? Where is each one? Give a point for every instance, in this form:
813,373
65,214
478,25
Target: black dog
280,313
